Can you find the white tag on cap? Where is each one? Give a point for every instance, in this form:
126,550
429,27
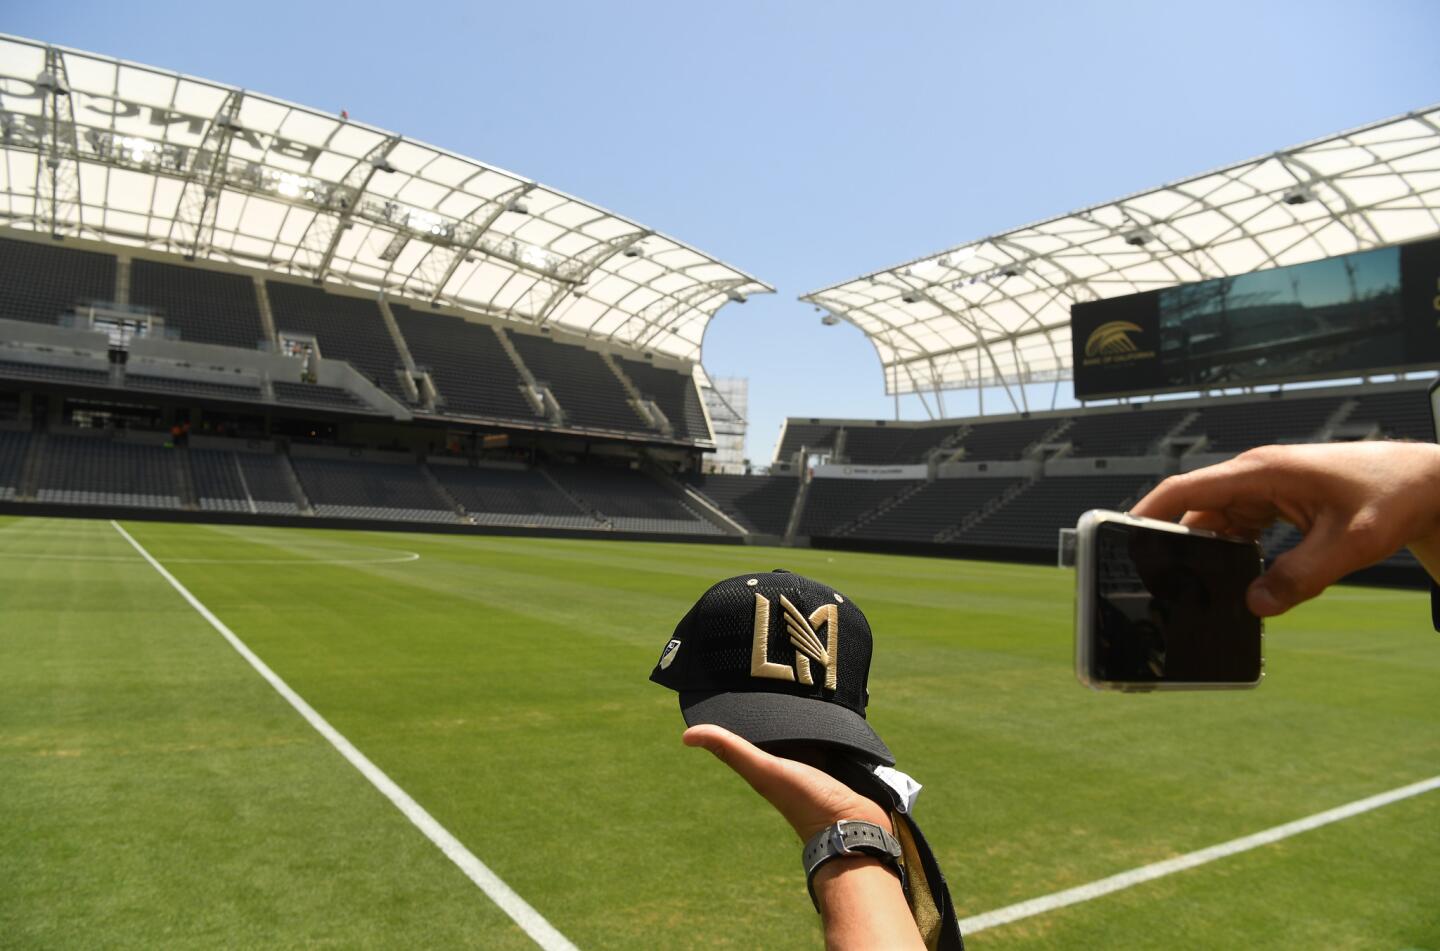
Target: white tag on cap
905,786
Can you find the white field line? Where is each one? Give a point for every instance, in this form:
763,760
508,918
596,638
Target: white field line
520,911
1146,873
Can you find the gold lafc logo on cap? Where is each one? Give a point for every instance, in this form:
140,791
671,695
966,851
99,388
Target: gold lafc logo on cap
803,637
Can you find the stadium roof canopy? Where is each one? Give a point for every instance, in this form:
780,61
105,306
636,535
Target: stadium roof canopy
997,311
130,154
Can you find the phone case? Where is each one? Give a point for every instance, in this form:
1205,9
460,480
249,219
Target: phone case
1085,559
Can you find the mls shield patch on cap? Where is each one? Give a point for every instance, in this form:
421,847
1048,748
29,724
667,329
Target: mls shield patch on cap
776,658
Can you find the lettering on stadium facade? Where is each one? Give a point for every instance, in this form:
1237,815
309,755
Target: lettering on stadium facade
28,131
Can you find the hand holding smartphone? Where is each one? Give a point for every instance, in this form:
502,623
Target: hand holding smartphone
1160,606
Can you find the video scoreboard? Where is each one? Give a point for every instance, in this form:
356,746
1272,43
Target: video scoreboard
1373,311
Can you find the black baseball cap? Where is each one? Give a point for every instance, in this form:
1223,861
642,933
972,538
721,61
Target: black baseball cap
778,659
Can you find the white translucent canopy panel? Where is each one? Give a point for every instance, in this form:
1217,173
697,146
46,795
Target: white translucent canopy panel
146,157
998,310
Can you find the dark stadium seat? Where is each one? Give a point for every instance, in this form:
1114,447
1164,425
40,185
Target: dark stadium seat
586,388
202,389
811,436
219,483
939,505
82,470
56,374
511,497
1235,427
13,448
630,500
318,397
267,482
39,282
470,369
348,328
354,488
1128,433
831,504
1005,440
674,392
885,445
1033,518
761,503
1400,415
204,306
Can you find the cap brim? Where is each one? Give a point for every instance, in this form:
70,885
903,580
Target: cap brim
780,718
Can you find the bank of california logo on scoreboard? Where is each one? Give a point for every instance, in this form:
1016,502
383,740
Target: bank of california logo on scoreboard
1112,339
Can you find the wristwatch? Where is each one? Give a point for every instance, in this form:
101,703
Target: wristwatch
850,837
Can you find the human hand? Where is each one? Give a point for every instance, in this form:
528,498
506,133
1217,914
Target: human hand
809,799
1356,503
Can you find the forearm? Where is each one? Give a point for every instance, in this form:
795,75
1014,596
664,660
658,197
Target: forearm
863,907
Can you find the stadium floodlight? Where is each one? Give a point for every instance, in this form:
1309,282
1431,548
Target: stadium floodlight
382,164
1298,195
1137,237
517,207
634,251
735,296
829,320
535,257
51,83
911,297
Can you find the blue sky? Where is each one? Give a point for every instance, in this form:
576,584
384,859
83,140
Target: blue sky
809,142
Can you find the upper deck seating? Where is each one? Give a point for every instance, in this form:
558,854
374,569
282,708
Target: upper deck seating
1128,433
470,369
39,282
674,392
318,397
885,445
73,376
203,389
586,388
204,306
1235,427
1005,440
812,436
348,328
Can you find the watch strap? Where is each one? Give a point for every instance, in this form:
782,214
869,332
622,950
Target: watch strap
846,838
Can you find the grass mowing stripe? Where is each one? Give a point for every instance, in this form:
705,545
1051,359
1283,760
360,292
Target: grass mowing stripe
1146,873
520,911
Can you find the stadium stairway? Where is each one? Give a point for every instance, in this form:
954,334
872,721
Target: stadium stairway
30,469
185,479
695,501
885,505
443,493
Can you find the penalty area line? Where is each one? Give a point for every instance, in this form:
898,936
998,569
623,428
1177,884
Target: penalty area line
520,911
1147,873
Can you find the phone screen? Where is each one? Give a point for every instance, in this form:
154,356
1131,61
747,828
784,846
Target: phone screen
1170,607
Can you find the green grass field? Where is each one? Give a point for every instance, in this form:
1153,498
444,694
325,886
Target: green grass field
156,791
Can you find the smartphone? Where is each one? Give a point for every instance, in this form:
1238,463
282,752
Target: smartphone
1435,408
1159,606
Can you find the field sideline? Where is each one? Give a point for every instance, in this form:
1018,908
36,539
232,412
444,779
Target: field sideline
157,791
